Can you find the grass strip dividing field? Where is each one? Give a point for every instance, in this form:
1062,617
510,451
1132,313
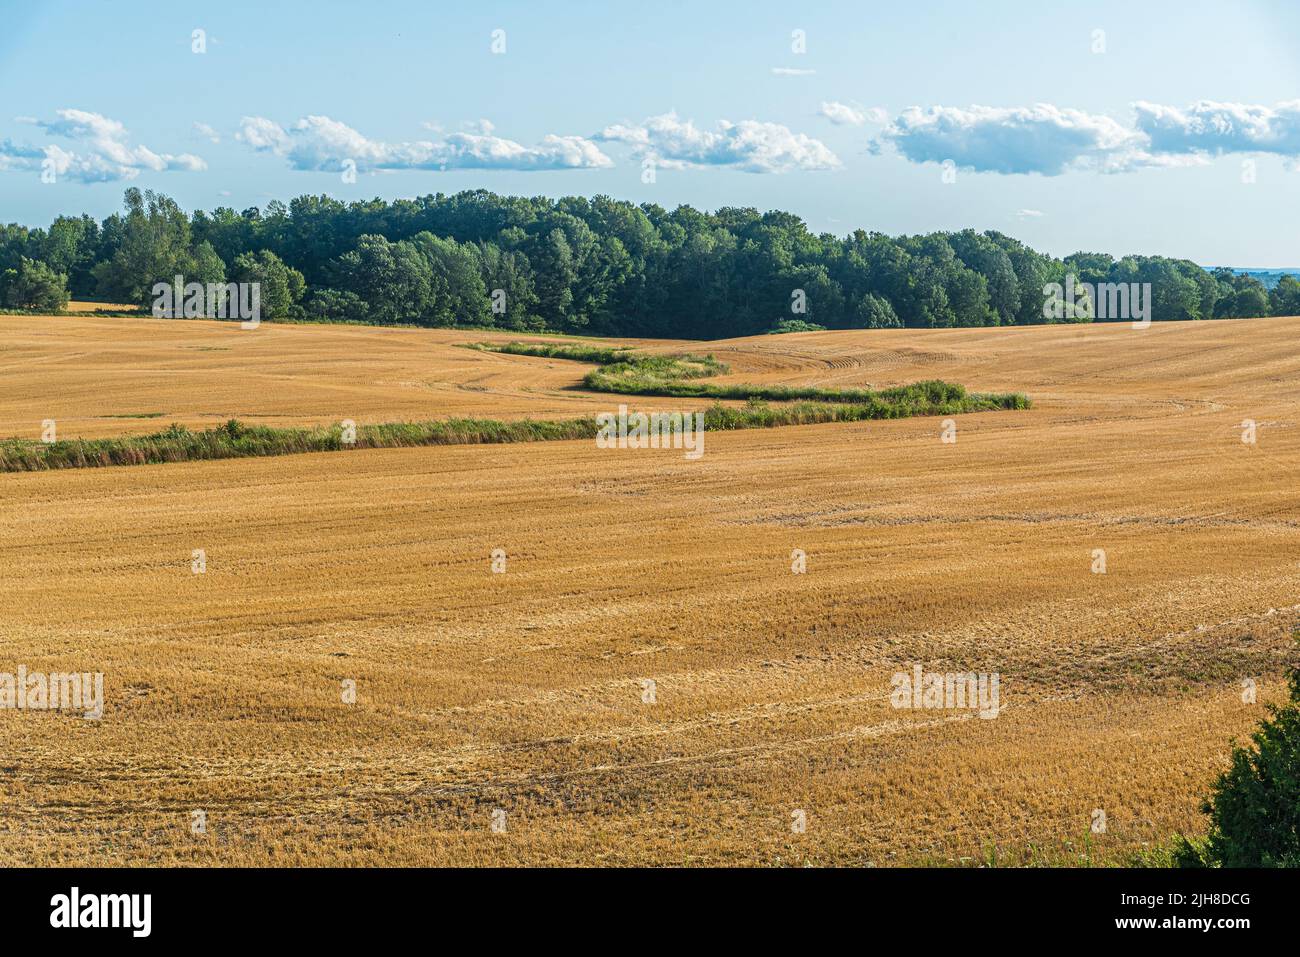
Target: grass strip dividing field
626,373
237,440
671,376
578,352
621,362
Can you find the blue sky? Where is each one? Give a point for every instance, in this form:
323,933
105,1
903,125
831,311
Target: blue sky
1139,148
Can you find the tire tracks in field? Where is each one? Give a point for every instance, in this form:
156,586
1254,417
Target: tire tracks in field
500,780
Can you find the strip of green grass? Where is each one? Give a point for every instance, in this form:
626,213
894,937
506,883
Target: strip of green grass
578,352
634,373
632,379
621,371
671,377
237,440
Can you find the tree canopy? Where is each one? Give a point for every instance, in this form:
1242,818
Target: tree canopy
598,266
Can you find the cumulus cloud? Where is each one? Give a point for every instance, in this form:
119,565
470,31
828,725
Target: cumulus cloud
19,156
748,145
101,151
1051,140
1039,139
322,143
842,114
1043,139
207,132
263,134
1218,128
1029,213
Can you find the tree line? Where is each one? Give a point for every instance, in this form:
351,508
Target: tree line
596,266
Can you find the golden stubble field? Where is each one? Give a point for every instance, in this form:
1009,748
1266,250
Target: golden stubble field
523,691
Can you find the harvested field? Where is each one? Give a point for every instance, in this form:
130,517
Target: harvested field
524,691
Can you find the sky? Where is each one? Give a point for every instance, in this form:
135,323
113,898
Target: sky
1122,127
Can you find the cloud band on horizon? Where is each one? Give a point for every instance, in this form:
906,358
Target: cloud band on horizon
105,155
748,145
1051,140
322,143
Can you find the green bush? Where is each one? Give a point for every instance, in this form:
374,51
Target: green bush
578,352
34,286
794,325
1254,806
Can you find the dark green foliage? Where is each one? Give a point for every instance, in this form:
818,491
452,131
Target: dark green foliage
1284,299
34,286
281,286
875,312
578,352
595,267
794,325
333,305
1239,296
151,244
1254,806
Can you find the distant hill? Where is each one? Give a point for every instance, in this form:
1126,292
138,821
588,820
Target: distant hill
1269,277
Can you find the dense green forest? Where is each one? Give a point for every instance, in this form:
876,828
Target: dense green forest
595,266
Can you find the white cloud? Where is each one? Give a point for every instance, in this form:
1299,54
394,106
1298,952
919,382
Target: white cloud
1039,139
842,114
748,145
263,134
1051,140
106,154
1218,128
791,71
1029,213
322,143
207,132
19,156
1042,139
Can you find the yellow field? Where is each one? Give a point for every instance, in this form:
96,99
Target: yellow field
523,691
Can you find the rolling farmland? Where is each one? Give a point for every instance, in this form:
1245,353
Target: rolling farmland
526,691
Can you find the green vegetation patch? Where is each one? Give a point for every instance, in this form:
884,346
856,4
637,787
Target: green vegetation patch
656,375
671,376
578,352
621,371
235,439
